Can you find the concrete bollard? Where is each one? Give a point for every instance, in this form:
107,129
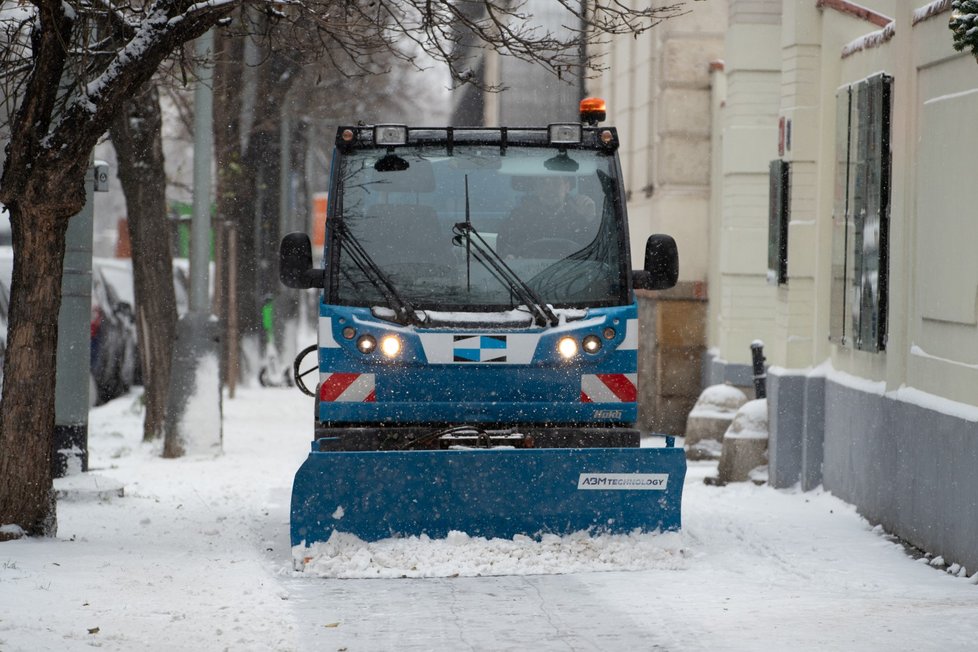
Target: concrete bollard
709,419
744,444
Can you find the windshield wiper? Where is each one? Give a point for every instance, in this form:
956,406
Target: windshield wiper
479,249
404,312
476,247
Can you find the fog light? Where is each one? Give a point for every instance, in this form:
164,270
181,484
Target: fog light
591,344
390,346
567,347
366,344
609,333
349,332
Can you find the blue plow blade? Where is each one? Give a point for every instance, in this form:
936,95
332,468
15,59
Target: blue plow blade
491,493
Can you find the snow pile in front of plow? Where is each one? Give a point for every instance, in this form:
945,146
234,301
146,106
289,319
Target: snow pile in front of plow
345,556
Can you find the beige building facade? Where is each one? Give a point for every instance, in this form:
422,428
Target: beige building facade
659,93
838,226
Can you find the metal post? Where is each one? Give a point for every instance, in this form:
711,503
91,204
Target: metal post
285,302
217,300
73,372
232,309
200,230
582,54
760,375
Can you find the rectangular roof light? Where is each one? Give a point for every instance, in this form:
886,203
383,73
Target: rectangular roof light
390,135
564,134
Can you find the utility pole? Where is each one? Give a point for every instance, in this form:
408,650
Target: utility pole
286,303
193,416
73,371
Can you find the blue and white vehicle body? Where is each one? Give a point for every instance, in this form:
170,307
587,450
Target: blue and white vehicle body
485,377
478,340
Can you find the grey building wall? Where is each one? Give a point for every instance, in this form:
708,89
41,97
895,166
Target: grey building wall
907,467
796,425
717,371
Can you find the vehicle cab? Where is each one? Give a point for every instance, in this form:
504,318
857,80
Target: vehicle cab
477,282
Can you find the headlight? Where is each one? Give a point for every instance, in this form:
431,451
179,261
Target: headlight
591,344
366,344
567,347
390,346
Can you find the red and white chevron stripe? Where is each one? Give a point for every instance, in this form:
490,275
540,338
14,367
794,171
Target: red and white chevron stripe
609,388
348,388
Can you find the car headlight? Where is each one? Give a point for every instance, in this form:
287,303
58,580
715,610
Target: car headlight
567,347
591,344
390,346
366,344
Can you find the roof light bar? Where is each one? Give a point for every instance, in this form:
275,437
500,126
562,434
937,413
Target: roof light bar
564,134
390,135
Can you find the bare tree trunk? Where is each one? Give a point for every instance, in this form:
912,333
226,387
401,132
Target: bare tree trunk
38,211
136,135
26,434
265,149
235,184
248,182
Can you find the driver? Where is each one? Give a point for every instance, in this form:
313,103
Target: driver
549,222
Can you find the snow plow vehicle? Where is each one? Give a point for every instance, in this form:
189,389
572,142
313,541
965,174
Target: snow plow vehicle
478,339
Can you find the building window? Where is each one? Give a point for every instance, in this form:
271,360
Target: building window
777,224
861,214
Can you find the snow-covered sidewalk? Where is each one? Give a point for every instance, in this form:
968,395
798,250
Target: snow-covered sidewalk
196,557
181,562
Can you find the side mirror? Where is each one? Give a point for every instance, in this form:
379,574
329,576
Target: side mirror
295,268
661,264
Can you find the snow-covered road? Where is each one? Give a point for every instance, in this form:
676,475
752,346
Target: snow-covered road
759,569
196,557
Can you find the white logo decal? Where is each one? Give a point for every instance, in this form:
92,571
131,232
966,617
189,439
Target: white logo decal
623,481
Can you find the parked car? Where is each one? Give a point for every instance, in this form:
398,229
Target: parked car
115,361
114,350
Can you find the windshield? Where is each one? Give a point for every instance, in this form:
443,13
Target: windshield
549,216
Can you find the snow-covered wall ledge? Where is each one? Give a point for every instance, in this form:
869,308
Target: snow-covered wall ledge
856,11
871,40
879,37
905,394
930,10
